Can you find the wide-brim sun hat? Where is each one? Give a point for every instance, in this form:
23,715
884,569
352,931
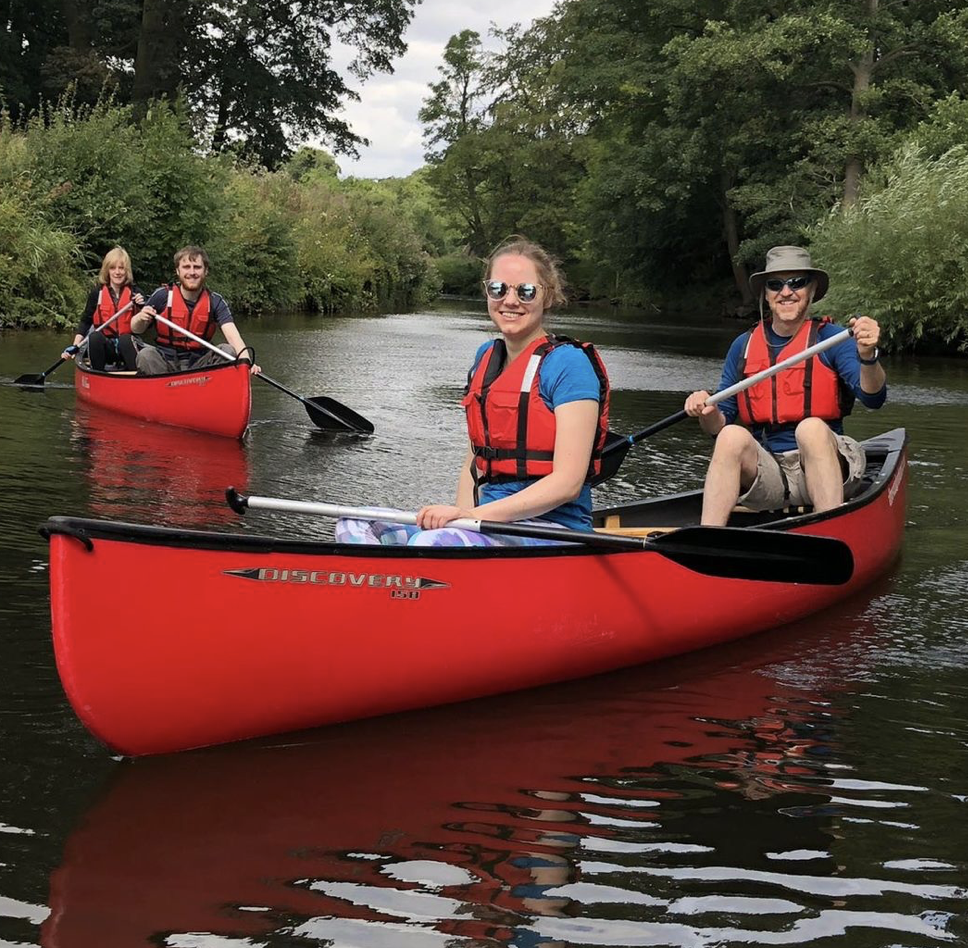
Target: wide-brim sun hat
787,260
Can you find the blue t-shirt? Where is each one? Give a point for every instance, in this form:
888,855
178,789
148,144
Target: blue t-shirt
841,358
566,375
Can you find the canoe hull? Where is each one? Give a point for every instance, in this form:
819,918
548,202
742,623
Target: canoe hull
280,635
215,400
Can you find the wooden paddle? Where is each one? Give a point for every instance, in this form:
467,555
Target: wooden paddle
324,412
728,552
38,378
617,446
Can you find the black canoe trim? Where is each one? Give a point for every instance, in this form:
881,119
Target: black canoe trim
68,530
888,447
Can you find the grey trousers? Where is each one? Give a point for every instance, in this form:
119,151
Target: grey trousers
152,361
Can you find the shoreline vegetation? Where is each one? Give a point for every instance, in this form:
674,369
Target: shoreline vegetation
656,150
75,181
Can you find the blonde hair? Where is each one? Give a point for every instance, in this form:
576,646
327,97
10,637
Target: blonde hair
111,258
549,275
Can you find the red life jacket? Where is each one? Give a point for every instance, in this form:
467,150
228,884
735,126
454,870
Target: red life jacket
511,429
200,321
809,389
106,309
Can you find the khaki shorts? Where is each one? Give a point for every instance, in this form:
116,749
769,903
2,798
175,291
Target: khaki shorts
776,474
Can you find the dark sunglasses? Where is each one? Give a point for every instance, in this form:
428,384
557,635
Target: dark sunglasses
498,289
795,283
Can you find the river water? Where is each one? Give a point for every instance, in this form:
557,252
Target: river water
807,785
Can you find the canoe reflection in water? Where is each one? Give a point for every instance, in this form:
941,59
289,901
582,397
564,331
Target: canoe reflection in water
592,812
154,473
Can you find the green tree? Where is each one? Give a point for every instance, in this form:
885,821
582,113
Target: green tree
257,74
453,116
502,155
725,125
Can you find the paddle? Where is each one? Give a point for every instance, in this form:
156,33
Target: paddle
38,379
728,552
617,446
325,413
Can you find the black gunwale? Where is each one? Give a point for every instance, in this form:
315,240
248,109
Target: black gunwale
884,453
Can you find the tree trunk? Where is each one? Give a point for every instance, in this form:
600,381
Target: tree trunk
731,233
863,69
157,62
78,19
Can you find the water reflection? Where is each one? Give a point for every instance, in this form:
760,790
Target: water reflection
698,802
797,818
152,473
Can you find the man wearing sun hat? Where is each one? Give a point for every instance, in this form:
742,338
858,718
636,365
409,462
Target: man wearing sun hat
781,441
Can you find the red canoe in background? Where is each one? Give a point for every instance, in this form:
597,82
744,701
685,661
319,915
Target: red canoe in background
214,400
285,634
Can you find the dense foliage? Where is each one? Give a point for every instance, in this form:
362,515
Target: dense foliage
258,74
897,253
76,181
665,145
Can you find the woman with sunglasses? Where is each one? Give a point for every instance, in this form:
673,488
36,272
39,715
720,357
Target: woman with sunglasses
781,442
537,416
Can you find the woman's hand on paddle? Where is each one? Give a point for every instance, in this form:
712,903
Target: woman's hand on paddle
696,404
435,516
71,350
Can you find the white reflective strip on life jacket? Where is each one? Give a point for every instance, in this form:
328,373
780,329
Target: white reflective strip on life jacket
529,373
171,296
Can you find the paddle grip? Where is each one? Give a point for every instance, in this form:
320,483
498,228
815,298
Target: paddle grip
236,501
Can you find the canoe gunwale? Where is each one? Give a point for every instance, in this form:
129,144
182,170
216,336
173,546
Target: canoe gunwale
890,445
125,377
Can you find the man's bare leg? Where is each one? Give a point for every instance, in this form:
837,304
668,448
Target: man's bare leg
732,471
820,462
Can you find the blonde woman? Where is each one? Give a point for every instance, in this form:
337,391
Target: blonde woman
115,290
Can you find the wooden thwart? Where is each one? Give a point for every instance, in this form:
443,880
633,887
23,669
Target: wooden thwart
634,531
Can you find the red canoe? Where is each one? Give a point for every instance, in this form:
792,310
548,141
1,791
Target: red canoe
215,400
279,634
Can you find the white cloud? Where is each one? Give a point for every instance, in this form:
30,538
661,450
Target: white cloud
387,111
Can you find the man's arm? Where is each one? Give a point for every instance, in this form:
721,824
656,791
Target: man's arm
713,418
234,338
867,334
143,319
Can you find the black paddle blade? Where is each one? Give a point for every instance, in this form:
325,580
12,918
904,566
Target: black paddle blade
613,454
768,555
37,378
330,415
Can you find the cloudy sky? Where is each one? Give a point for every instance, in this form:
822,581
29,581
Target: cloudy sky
387,112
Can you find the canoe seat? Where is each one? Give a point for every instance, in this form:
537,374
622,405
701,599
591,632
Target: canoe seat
613,524
636,531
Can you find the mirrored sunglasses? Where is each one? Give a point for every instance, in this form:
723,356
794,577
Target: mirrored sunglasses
498,289
795,283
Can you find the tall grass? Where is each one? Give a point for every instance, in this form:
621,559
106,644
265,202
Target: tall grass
76,181
901,253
